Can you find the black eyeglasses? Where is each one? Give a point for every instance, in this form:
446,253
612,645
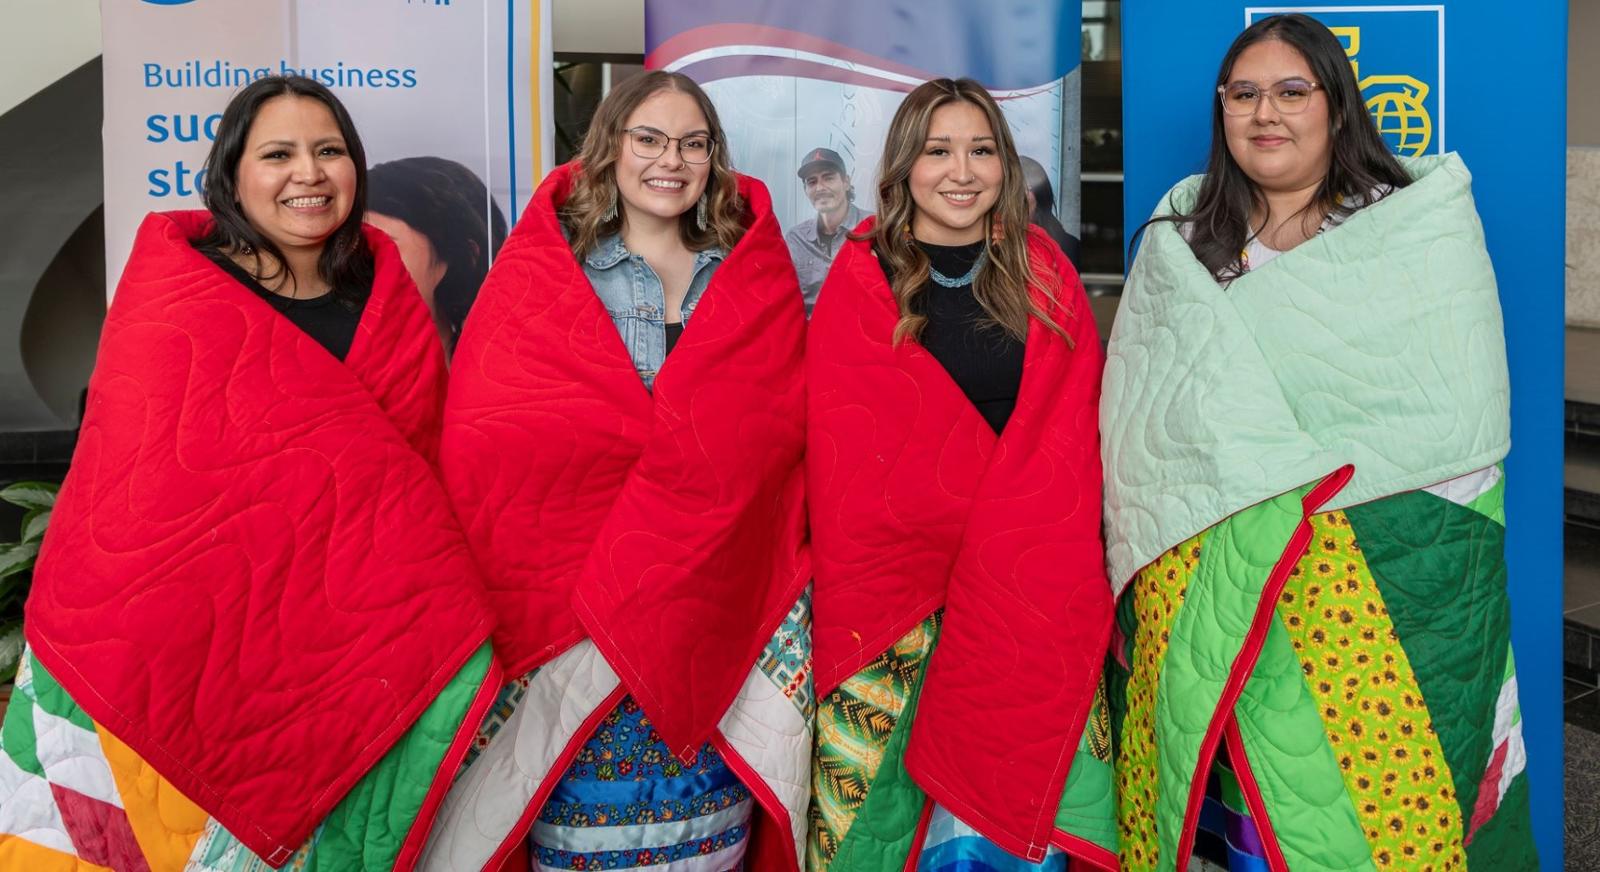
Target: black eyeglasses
650,143
1289,97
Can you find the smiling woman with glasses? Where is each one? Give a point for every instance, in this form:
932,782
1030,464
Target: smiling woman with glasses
1290,96
650,143
1303,425
1292,149
623,439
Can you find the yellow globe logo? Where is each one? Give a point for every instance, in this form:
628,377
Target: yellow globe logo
1399,112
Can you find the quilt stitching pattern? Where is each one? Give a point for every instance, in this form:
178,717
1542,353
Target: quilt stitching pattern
237,489
1254,395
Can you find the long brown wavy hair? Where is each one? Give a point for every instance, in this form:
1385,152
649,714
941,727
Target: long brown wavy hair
594,188
1003,285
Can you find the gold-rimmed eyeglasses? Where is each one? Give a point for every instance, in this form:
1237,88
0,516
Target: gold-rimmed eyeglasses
650,143
1289,97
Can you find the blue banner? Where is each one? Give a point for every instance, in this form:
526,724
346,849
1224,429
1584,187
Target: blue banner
1420,66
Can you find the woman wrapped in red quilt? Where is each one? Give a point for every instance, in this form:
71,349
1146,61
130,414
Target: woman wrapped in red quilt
255,627
623,440
954,485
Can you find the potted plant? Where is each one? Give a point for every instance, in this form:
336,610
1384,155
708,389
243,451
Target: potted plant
35,498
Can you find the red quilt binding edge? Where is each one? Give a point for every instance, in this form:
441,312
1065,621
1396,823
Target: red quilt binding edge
580,736
1245,663
777,815
919,837
1085,851
1253,798
417,836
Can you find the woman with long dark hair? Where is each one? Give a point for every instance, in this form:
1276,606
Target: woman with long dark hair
953,482
623,441
447,228
1304,416
254,622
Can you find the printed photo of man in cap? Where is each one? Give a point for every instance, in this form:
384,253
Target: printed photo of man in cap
814,242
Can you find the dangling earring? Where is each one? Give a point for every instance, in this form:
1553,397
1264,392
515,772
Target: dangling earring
700,213
997,232
610,214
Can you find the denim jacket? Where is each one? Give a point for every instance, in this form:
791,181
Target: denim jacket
636,301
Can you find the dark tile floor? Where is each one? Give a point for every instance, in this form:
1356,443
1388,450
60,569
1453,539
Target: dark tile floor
1583,792
1582,823
1580,649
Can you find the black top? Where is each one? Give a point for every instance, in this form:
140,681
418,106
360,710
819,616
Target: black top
674,333
327,319
981,358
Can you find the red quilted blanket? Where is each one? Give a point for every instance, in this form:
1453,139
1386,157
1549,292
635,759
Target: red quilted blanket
915,504
253,577
669,528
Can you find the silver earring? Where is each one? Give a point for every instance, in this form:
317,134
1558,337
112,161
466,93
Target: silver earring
610,214
700,213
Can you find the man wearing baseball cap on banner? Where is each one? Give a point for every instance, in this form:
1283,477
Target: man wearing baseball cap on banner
814,242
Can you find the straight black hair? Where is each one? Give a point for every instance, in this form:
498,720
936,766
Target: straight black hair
448,204
1219,223
346,261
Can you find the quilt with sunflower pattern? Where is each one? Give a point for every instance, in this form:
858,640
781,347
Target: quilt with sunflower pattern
1305,528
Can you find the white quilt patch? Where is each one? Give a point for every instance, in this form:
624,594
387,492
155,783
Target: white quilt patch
766,729
488,800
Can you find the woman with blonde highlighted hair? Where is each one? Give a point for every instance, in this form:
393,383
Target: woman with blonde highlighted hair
623,442
953,480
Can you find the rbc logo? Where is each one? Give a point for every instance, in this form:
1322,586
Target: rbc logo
1397,102
1397,55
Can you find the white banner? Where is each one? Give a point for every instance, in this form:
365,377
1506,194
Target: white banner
464,80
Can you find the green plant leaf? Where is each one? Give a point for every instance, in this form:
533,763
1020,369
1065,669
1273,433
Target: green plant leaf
30,494
11,644
17,557
11,587
33,525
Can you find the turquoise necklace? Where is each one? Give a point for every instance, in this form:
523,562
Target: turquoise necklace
945,281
